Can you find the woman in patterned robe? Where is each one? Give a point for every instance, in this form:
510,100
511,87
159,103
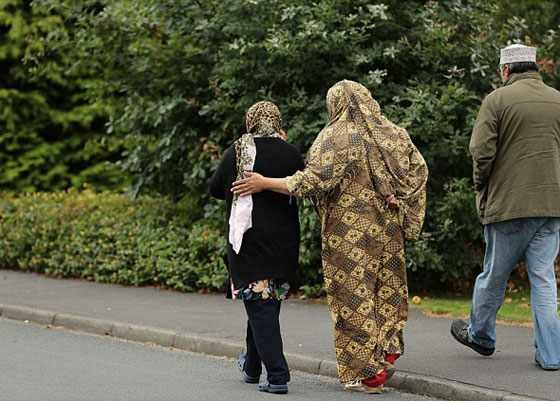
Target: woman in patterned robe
367,182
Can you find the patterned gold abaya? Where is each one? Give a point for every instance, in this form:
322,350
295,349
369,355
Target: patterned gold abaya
356,162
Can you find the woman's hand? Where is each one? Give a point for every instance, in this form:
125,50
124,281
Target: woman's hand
392,202
252,184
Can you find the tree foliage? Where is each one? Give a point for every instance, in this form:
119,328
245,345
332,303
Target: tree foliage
51,136
179,75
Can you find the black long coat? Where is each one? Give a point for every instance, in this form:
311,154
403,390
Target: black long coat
270,248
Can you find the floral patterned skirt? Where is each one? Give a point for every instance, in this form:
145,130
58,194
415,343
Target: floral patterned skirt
261,289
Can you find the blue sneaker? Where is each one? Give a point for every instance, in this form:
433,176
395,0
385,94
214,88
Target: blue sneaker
273,388
246,377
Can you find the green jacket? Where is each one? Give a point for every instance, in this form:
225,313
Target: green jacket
515,147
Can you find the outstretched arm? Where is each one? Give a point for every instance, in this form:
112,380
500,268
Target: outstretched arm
319,177
254,183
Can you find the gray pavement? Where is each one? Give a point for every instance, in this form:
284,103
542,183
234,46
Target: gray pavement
54,364
306,325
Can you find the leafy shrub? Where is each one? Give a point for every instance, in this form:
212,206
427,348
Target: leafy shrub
147,241
110,238
178,77
189,71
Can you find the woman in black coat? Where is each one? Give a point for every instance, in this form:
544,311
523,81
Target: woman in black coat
263,240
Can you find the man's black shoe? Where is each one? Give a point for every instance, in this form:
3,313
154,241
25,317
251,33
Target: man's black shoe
459,332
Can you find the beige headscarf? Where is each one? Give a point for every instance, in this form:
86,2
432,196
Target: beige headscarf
368,137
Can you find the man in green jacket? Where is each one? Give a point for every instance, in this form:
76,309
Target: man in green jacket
515,147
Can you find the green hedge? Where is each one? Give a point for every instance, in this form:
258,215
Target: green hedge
147,241
110,238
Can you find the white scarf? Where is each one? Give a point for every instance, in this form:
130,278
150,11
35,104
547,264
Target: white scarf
240,219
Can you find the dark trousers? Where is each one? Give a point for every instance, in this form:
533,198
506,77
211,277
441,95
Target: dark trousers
264,342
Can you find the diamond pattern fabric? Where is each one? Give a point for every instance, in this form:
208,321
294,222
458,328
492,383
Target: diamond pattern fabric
356,162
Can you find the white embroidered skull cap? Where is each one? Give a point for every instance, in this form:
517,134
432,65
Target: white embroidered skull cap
517,54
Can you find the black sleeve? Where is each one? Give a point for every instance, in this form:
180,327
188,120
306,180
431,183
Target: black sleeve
217,183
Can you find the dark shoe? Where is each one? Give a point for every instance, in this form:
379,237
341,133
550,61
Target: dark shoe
542,367
246,377
273,388
459,332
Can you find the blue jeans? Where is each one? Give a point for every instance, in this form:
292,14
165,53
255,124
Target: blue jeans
538,238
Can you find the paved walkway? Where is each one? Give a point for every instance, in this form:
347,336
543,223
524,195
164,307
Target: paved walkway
306,325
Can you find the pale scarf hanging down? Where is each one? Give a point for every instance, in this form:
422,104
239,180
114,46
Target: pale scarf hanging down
263,120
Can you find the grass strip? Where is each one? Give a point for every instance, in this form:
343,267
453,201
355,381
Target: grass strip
516,308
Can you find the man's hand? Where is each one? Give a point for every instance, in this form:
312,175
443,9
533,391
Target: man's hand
252,184
392,202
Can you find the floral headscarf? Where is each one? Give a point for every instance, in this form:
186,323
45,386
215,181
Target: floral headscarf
263,120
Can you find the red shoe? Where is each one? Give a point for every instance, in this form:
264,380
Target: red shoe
371,385
374,385
376,381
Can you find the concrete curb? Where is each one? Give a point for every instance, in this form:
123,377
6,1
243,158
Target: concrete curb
412,382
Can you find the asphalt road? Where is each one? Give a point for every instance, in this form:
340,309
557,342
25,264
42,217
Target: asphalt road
38,363
307,329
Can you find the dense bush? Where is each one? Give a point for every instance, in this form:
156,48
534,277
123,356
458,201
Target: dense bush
187,72
178,76
110,238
